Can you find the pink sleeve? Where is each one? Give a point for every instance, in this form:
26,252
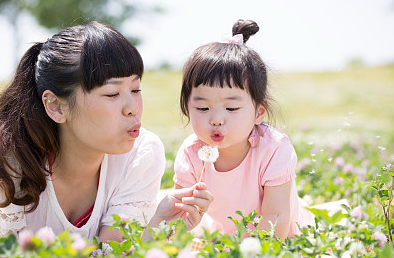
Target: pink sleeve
281,166
184,170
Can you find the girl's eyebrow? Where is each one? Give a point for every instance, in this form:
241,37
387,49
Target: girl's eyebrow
198,98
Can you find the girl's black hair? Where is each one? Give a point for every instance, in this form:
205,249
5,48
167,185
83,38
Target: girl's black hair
80,56
227,64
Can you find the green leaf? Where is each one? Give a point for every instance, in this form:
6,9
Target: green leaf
125,247
8,244
116,246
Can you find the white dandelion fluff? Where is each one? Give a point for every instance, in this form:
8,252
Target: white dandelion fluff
207,154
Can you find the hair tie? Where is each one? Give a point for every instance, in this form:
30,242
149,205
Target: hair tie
237,39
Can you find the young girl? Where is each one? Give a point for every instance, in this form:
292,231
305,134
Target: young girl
224,96
73,151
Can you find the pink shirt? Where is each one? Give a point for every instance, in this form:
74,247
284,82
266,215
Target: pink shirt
271,161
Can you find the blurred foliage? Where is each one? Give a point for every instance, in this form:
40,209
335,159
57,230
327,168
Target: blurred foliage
57,15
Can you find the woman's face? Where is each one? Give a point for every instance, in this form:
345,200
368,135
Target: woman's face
105,120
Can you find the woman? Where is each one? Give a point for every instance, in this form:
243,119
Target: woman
73,151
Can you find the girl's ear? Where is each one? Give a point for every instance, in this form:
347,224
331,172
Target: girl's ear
54,106
260,114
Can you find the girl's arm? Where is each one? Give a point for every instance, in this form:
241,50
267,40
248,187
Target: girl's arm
276,208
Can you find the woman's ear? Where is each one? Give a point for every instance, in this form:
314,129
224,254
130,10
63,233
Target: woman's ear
260,114
53,106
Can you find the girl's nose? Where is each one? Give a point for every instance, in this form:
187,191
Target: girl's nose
217,120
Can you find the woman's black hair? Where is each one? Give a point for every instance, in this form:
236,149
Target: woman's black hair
80,56
227,64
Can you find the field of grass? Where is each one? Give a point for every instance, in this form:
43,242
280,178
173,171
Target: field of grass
359,101
341,125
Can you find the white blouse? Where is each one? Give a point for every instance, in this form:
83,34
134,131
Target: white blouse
129,184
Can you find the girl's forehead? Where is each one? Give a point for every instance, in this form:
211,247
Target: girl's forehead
206,92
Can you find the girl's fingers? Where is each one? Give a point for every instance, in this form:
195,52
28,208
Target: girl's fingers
203,194
180,193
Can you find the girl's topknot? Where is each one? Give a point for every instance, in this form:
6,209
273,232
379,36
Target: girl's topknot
245,27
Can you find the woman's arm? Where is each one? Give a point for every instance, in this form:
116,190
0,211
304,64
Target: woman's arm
105,234
185,203
276,208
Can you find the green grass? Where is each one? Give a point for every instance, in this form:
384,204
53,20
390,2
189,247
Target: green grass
320,101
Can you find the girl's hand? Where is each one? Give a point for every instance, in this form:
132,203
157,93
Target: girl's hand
187,203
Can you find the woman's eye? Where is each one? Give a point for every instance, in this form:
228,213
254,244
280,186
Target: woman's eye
232,109
136,91
112,95
202,109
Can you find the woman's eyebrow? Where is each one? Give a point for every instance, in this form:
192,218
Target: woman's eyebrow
119,80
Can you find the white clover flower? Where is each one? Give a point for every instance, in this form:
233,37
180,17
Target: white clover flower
250,246
208,153
356,248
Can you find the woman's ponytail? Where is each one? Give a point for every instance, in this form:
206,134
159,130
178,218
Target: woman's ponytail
23,124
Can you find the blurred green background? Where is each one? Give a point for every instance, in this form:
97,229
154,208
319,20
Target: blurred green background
358,100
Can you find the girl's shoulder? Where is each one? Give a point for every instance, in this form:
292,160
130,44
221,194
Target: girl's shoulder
267,134
191,143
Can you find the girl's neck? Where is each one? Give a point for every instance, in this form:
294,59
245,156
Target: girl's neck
231,157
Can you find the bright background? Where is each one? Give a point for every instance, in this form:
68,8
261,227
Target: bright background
302,35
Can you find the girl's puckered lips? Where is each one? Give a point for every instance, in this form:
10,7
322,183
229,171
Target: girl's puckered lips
216,136
134,131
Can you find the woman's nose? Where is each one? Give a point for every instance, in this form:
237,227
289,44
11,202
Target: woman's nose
131,107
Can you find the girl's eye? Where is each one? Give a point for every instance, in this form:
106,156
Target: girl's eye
232,109
202,109
112,95
136,91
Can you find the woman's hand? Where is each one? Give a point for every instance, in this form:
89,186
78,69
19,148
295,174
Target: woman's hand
187,203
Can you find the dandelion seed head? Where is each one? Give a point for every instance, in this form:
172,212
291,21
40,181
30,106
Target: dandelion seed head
208,153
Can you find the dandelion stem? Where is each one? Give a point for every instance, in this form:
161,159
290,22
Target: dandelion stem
202,172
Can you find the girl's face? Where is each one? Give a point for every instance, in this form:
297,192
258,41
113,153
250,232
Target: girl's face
223,117
107,119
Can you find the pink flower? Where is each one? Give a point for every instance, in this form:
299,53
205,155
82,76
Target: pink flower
78,242
123,217
389,167
348,167
187,253
303,163
302,182
338,180
339,162
156,253
24,238
46,234
347,193
381,237
357,212
365,163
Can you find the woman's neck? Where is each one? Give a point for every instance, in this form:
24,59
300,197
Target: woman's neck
76,164
231,157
